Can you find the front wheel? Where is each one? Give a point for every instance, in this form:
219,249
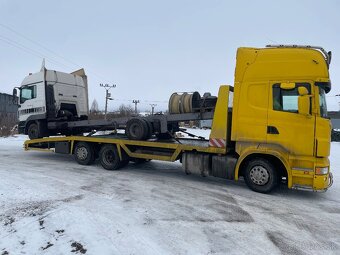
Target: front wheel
33,131
260,175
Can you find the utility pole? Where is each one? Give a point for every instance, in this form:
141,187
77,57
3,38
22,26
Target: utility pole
135,102
152,108
107,87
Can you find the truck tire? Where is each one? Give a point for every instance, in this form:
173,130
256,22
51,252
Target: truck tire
33,131
109,157
150,129
260,175
137,129
84,153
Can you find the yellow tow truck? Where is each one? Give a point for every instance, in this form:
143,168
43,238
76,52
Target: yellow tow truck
270,127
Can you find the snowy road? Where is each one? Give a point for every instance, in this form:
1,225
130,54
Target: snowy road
51,205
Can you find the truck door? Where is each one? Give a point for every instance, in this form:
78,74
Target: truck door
32,100
286,126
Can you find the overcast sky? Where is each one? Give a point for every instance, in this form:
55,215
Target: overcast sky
151,49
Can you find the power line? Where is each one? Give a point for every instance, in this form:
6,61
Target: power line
29,50
49,50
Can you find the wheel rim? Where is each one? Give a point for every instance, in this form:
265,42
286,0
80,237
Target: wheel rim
108,157
259,175
82,153
135,130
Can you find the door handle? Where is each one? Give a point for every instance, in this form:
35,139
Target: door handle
272,130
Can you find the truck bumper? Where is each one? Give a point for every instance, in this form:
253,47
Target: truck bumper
319,183
304,174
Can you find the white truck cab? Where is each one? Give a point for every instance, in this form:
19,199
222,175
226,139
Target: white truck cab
49,96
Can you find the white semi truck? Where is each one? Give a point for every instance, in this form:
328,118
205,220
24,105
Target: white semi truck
53,103
51,96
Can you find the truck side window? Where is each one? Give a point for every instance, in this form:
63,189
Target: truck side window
27,93
287,100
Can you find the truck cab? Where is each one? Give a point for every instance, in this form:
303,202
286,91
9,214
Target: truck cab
48,96
280,115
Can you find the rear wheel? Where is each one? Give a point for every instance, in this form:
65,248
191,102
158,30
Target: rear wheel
260,175
109,157
84,153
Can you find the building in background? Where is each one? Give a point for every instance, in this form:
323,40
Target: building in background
8,109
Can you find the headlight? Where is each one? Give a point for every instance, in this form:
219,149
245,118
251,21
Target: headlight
321,170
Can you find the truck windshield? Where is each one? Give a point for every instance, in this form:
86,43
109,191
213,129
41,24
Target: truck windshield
322,100
27,93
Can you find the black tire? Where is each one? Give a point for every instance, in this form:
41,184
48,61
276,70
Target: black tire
150,129
137,129
33,131
109,157
260,175
84,153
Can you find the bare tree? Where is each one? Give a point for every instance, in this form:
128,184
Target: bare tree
7,124
95,113
125,110
94,107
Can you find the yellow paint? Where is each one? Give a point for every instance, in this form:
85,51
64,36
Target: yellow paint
301,138
220,122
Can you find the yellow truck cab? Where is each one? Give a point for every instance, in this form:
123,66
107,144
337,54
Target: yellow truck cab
270,127
279,117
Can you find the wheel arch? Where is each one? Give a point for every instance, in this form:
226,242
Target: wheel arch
34,119
275,159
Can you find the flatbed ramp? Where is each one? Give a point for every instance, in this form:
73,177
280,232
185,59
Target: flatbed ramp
197,156
166,150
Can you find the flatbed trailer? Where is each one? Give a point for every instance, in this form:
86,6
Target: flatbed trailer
115,151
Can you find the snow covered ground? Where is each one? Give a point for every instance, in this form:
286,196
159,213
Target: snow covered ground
51,205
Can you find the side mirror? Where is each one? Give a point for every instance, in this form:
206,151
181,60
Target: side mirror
304,101
14,92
